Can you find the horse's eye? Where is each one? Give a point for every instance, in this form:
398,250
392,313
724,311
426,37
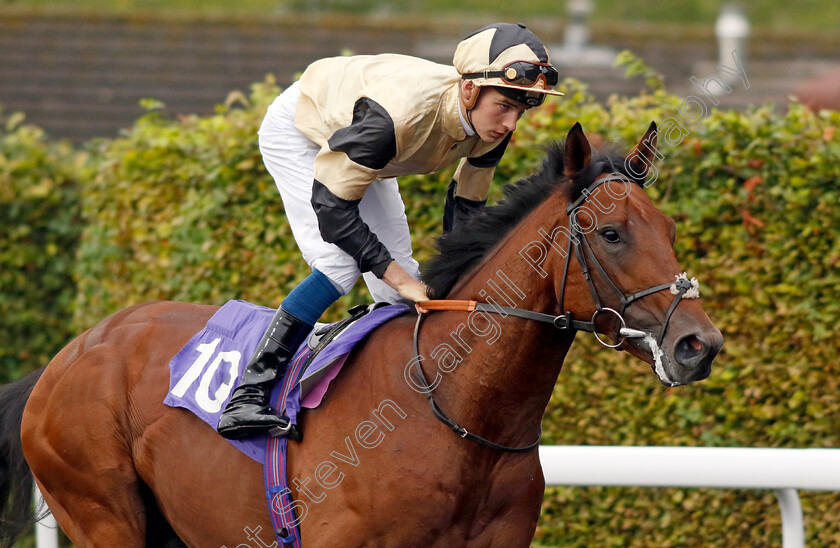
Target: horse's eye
611,236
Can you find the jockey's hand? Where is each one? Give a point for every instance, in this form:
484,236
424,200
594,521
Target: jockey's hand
404,284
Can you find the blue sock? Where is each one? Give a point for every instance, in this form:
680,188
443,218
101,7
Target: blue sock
311,298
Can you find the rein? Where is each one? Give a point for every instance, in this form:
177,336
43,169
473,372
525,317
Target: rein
441,415
681,288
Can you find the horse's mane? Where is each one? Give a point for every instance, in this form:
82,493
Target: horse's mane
463,248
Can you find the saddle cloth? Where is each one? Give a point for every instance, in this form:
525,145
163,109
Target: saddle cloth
208,368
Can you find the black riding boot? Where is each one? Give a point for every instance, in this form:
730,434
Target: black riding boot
248,412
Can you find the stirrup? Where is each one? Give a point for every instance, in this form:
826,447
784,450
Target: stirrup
291,431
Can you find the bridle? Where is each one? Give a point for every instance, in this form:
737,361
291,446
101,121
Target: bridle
681,288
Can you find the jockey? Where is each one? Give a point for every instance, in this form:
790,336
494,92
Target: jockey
334,142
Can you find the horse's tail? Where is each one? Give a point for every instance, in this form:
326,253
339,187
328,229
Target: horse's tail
16,482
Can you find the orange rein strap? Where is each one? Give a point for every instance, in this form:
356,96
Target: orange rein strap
565,322
560,322
458,306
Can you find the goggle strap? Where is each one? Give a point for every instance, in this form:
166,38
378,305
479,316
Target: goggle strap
485,74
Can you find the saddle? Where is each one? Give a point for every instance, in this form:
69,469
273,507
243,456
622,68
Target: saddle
323,334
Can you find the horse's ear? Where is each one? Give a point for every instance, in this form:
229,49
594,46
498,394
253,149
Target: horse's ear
578,152
640,160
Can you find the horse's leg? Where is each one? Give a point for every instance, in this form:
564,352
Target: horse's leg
74,440
93,492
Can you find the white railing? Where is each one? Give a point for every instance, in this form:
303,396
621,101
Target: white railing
782,470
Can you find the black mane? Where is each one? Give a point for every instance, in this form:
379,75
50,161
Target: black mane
462,249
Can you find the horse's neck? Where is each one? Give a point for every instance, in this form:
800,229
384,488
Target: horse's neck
510,364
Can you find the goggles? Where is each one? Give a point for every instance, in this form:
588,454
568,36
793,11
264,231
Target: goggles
520,73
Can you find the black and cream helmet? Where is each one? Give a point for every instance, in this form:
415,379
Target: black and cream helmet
508,57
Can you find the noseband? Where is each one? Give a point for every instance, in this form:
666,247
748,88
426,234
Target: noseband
681,288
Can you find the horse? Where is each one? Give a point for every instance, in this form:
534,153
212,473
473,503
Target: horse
376,468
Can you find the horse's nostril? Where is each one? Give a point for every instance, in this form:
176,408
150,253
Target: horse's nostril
695,343
690,350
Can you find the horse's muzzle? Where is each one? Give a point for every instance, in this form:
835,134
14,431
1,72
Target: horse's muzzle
693,355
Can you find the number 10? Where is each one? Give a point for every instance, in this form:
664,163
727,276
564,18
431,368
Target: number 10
211,404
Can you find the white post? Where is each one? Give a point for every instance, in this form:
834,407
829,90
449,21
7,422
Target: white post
732,30
577,30
793,525
46,530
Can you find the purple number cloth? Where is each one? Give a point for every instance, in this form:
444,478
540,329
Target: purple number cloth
224,347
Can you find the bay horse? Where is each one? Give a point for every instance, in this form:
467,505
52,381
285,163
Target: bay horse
376,468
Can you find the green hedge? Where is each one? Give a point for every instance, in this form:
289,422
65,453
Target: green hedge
184,209
39,229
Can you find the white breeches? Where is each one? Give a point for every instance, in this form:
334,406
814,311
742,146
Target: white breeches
289,157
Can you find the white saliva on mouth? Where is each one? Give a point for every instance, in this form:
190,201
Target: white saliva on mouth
658,354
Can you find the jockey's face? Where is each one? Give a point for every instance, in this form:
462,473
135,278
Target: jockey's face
494,115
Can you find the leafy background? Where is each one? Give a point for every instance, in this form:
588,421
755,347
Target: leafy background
183,209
